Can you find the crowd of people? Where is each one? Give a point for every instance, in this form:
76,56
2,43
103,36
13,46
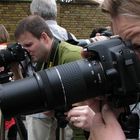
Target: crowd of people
50,45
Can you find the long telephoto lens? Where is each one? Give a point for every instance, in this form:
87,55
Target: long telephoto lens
51,88
112,70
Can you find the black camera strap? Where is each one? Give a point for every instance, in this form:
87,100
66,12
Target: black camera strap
54,53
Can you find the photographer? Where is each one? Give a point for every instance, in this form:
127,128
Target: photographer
47,9
125,23
10,124
4,38
35,36
9,72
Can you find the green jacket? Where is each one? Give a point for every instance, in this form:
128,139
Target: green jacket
68,53
63,53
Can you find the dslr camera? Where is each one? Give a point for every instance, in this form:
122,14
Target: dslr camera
112,70
13,53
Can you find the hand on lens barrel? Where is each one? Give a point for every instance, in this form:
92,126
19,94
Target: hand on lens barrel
105,126
81,117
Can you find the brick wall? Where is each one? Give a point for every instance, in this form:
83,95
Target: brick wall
11,13
79,19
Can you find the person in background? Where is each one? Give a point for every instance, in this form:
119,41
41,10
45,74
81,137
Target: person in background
35,36
47,9
9,73
105,31
10,125
4,36
98,34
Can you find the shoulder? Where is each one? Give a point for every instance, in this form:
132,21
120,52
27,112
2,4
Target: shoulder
69,47
69,52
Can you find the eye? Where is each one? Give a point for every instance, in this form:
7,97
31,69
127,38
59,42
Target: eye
28,45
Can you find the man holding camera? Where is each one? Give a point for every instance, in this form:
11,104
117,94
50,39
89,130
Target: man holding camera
125,20
35,36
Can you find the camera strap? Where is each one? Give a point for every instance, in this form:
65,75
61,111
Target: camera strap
52,61
54,53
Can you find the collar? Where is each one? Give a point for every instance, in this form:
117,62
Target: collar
51,22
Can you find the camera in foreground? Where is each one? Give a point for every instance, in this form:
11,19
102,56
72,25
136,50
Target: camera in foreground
112,70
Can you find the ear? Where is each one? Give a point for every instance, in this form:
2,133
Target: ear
44,37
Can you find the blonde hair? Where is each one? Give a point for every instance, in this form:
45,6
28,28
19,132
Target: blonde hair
121,7
4,35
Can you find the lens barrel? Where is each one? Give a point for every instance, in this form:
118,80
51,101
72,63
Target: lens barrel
51,88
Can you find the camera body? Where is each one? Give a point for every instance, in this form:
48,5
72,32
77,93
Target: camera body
121,76
13,53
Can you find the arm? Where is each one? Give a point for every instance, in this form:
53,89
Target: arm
105,126
81,116
102,125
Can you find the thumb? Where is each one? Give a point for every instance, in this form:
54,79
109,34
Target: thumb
108,116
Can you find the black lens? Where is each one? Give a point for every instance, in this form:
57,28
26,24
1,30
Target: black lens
55,87
5,56
73,82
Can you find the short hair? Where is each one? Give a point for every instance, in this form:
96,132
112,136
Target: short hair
33,24
47,9
102,30
4,35
97,30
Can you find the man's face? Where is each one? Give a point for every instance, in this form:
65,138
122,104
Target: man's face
128,28
38,48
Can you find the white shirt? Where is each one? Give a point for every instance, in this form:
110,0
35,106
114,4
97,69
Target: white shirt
58,31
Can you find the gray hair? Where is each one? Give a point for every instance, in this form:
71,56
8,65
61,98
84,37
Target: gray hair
47,9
